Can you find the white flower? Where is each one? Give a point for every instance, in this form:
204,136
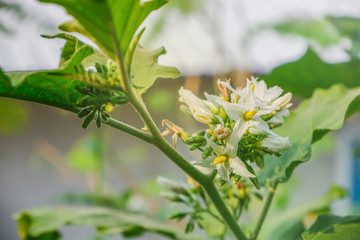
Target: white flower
269,97
275,143
226,160
200,109
246,106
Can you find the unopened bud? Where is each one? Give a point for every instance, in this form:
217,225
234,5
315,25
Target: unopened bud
109,107
194,139
283,101
206,153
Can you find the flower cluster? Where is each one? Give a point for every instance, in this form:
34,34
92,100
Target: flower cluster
240,126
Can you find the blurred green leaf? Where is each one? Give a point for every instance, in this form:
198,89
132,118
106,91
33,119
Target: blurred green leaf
34,223
212,226
82,157
145,69
13,116
303,76
290,224
327,31
310,121
17,11
330,227
118,201
321,31
156,102
133,153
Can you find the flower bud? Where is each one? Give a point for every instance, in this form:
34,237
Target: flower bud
275,143
206,152
199,109
222,133
109,107
283,101
256,131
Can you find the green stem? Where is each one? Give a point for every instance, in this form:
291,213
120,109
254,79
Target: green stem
130,130
214,195
264,211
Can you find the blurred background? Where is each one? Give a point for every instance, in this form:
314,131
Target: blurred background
46,158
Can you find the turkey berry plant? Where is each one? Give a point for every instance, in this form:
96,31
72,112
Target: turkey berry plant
248,146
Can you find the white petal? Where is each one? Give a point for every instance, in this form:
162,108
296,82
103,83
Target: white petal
239,168
273,93
233,110
260,89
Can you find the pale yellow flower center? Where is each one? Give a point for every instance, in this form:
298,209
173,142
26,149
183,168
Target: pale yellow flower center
250,114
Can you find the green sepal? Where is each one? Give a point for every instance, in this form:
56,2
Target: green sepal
88,120
178,216
98,119
84,112
190,226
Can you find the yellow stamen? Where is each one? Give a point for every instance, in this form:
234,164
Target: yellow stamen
252,87
219,160
249,115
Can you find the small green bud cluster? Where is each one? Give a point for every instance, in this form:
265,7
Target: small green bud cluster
196,141
96,105
190,195
248,149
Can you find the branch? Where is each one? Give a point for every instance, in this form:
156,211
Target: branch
264,211
130,130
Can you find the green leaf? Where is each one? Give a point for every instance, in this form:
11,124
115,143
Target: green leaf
330,227
82,156
52,87
213,227
36,222
314,117
290,224
13,116
145,69
40,87
71,45
303,76
112,25
107,22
